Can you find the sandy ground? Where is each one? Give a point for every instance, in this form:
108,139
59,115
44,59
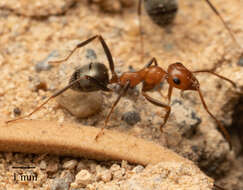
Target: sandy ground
44,32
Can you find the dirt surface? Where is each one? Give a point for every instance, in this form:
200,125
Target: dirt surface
33,35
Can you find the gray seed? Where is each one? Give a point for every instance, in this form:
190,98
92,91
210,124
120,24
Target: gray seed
131,117
17,111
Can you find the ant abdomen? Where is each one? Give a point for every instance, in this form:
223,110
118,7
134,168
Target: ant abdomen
162,12
95,70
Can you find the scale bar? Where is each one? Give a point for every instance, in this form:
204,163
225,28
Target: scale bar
23,167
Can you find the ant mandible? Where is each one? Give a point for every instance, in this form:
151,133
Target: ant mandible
177,76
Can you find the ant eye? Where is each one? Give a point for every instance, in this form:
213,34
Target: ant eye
176,81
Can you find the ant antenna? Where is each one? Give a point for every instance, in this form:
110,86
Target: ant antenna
224,23
140,29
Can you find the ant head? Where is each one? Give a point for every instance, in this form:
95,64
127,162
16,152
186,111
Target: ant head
180,77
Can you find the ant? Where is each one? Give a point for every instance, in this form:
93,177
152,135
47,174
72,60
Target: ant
94,76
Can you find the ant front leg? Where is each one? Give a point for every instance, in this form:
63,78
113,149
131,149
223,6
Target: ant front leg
158,103
221,127
123,92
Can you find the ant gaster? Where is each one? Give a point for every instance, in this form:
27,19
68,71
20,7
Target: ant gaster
177,75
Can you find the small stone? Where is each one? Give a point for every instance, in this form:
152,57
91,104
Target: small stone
43,165
44,65
81,166
117,174
81,104
52,167
131,117
83,178
106,175
59,184
67,176
115,167
138,169
71,164
17,111
90,54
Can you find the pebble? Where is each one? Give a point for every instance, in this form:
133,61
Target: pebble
105,175
138,169
44,65
187,120
67,176
131,117
115,167
17,111
90,54
52,167
43,165
83,178
117,175
71,164
81,166
80,104
59,184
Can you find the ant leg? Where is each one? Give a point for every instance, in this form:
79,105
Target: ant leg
106,49
153,60
170,93
222,128
72,51
46,101
140,29
222,20
124,90
220,76
158,103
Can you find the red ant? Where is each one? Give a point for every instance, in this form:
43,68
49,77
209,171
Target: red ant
177,76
